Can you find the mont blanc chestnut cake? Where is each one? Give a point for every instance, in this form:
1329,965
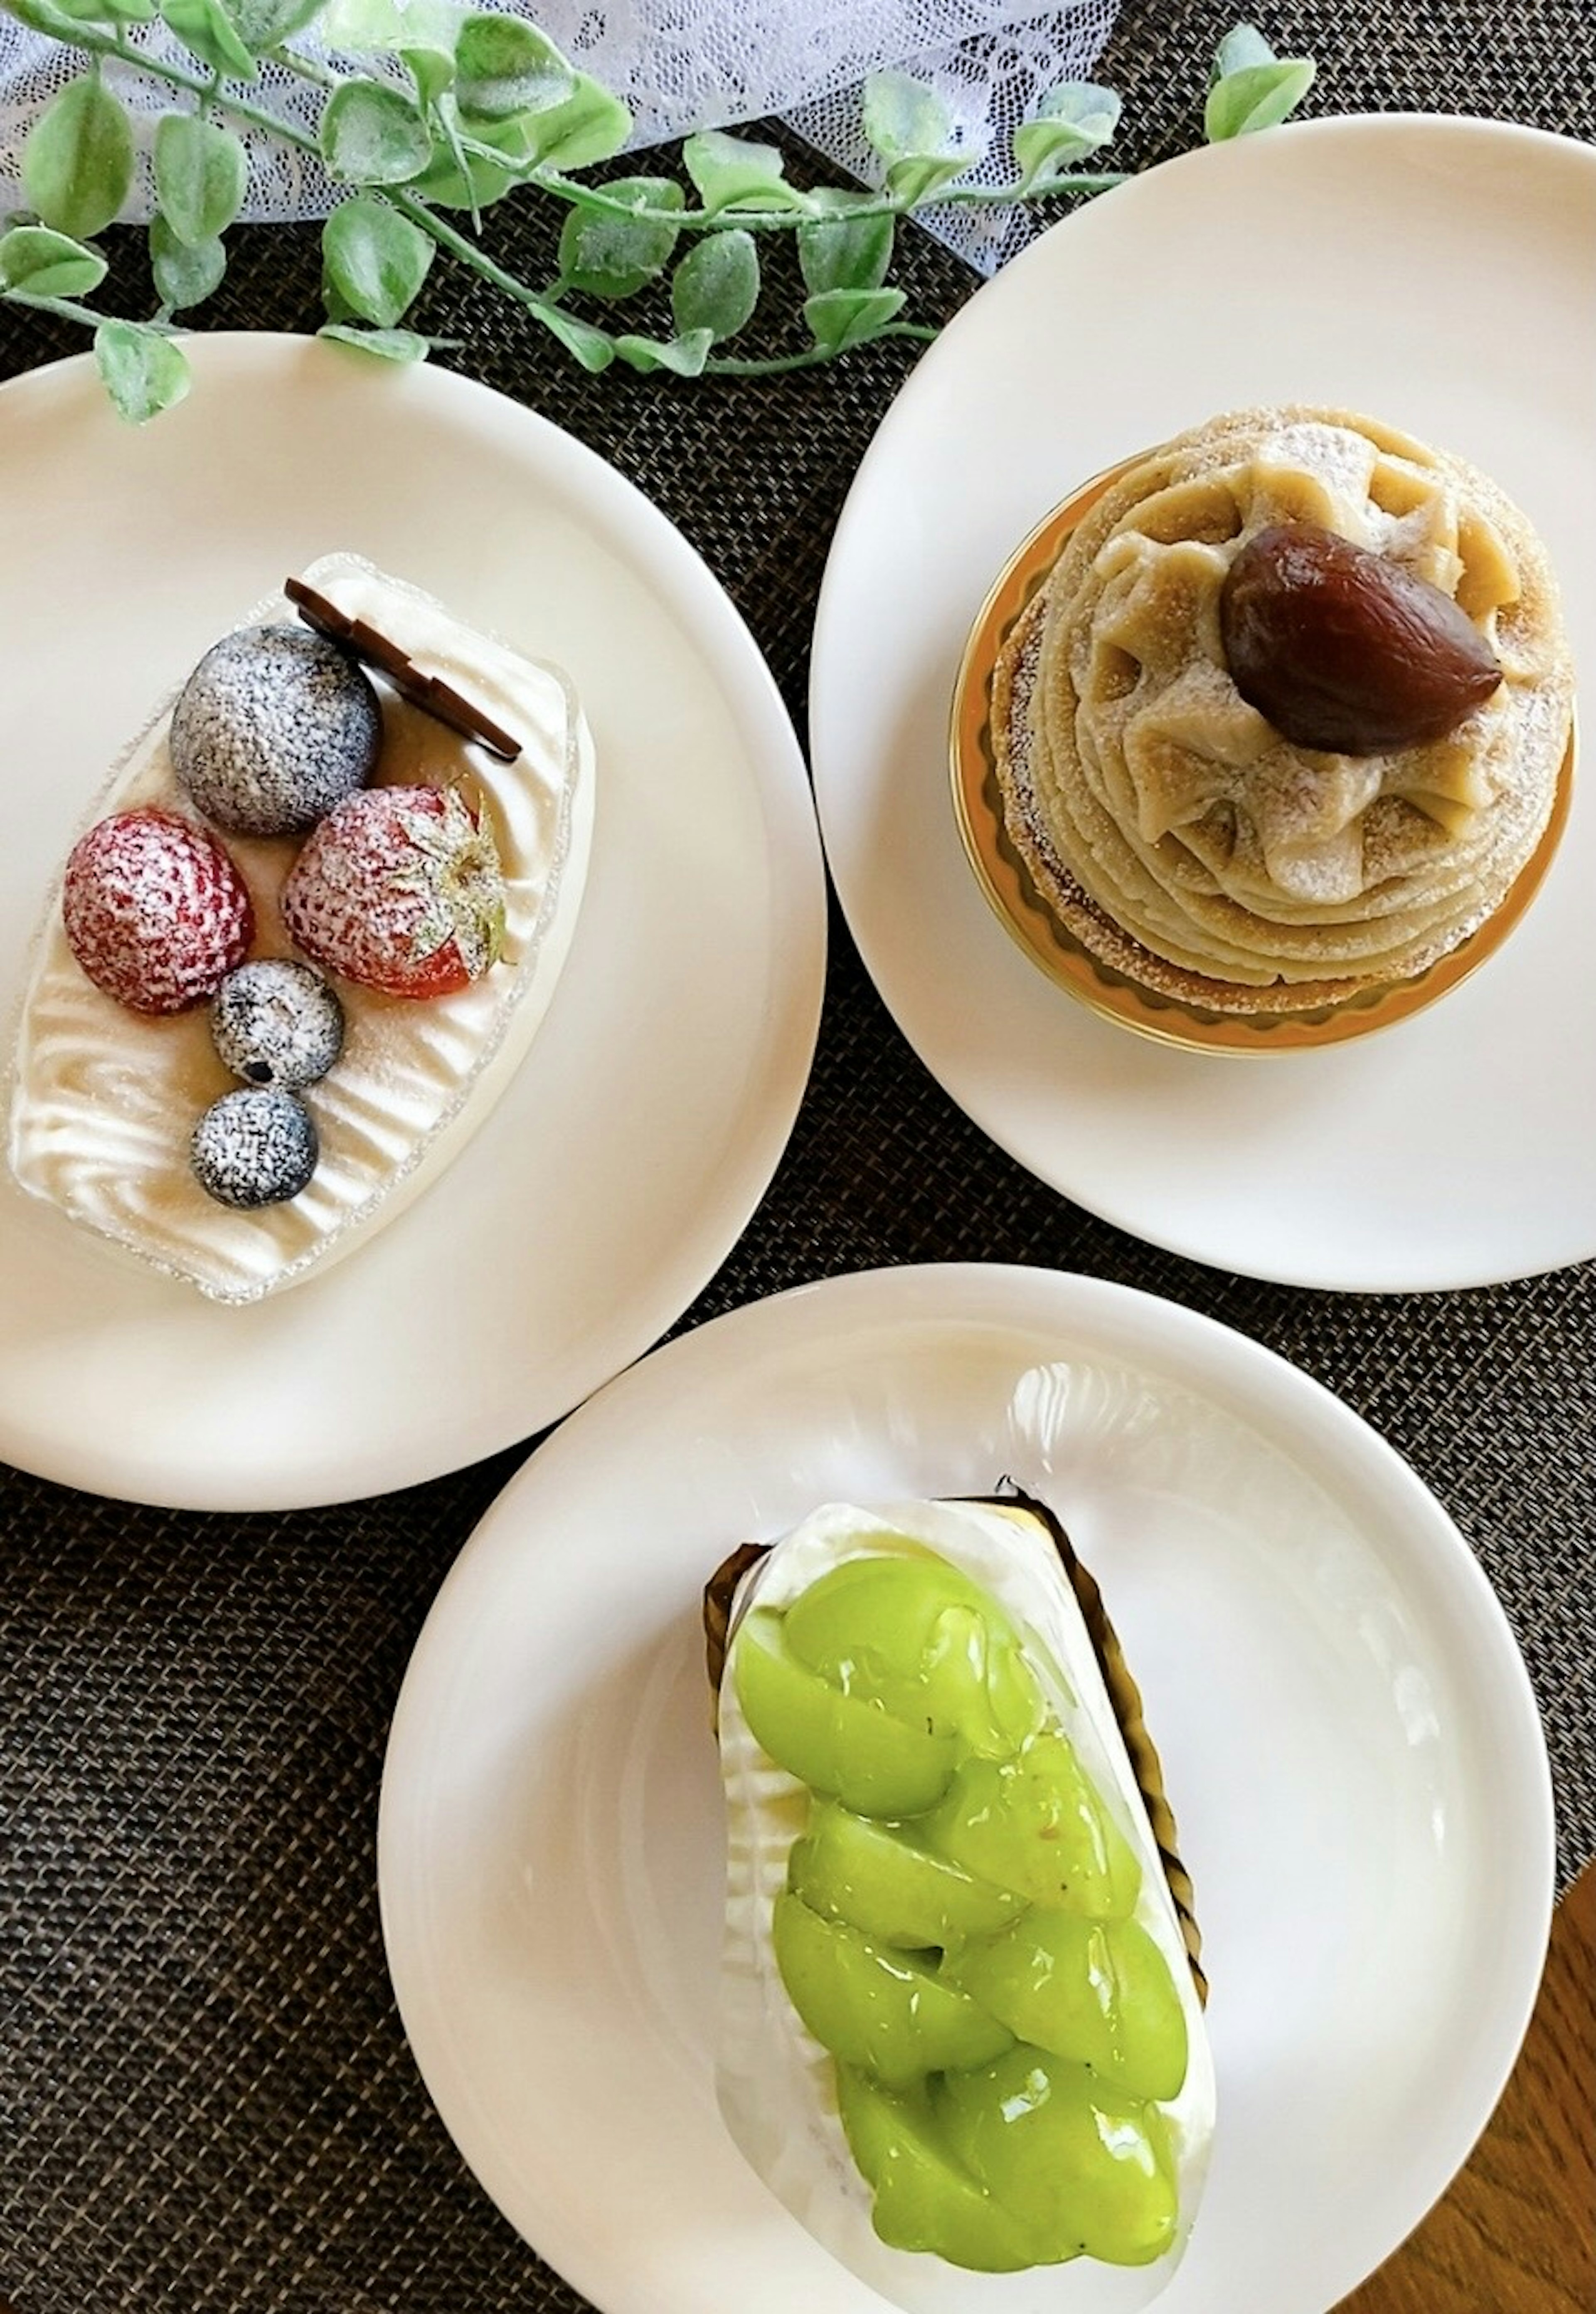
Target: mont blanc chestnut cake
1283,723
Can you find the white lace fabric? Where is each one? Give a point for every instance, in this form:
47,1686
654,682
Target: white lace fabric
681,66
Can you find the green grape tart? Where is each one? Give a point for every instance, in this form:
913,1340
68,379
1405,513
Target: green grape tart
960,2036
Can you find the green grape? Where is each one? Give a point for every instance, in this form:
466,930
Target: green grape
1099,1992
1034,1824
1080,2166
873,1877
840,1743
914,1634
923,2200
875,2008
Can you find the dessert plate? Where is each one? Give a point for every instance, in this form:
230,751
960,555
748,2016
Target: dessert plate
1349,1740
638,1137
1452,1150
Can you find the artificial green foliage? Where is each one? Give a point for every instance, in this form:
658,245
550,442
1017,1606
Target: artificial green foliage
185,273
200,175
461,108
77,163
1252,88
375,260
144,371
36,263
206,29
716,287
614,257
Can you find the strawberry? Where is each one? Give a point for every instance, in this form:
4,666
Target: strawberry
154,910
399,889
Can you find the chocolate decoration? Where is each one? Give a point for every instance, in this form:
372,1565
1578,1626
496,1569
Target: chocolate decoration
429,693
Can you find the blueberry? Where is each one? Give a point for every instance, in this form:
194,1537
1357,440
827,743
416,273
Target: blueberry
274,727
276,1023
256,1147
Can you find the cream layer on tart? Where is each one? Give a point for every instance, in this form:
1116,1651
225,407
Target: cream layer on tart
104,1100
1167,820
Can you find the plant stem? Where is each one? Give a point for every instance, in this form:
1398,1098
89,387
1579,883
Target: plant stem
115,45
69,309
782,220
741,366
460,245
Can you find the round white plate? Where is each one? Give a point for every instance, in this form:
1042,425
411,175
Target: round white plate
644,1124
1348,1736
1434,272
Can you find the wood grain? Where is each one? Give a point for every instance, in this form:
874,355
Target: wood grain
1517,2232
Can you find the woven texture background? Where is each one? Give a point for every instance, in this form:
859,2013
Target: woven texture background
205,2100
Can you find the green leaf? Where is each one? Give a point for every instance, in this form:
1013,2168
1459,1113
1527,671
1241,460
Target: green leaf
1074,120
839,318
35,262
265,24
614,257
594,348
504,65
206,30
388,345
903,118
1259,97
201,170
107,11
912,130
374,258
143,370
77,160
844,252
918,176
373,135
471,182
592,125
360,25
716,287
734,172
40,16
1253,88
431,69
186,272
1242,47
686,355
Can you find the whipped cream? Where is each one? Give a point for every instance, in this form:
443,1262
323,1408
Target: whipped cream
104,1100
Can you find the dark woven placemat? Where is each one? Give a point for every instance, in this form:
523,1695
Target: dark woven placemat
206,2102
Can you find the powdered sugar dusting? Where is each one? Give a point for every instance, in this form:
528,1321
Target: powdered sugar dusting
103,1104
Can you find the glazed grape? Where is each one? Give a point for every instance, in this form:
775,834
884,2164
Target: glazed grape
956,1928
924,2200
838,1743
1074,2163
872,2006
1099,1992
918,1636
1034,1824
874,1876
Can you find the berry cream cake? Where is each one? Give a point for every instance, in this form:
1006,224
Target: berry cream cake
307,938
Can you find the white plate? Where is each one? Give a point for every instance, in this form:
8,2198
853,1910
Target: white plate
645,1123
1349,1738
1435,272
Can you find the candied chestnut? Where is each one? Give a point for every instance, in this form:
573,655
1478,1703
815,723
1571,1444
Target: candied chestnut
1343,650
